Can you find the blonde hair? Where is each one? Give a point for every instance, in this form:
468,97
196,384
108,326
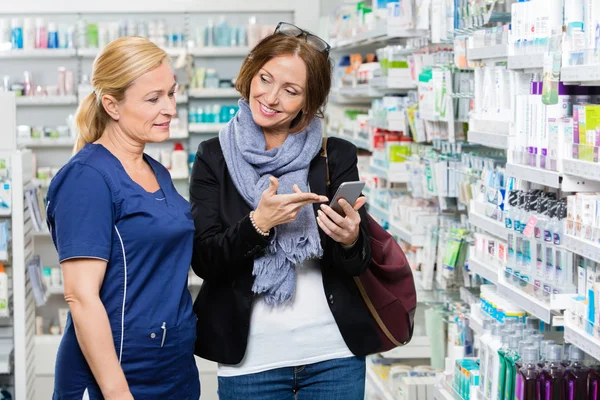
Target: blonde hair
116,67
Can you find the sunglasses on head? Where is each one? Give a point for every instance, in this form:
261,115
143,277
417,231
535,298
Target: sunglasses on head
316,42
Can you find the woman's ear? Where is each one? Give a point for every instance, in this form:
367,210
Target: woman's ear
111,106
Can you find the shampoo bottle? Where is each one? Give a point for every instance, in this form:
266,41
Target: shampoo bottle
528,383
553,374
576,376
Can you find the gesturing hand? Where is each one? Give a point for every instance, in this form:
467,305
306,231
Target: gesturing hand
276,209
344,230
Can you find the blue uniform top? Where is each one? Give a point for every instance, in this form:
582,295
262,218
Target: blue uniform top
95,210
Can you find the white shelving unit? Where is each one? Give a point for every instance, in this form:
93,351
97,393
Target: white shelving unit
220,93
390,176
382,33
487,53
488,225
378,212
483,269
582,169
380,388
495,140
37,54
526,61
586,342
544,311
406,235
67,100
418,348
582,247
46,142
219,51
552,179
205,128
23,307
585,74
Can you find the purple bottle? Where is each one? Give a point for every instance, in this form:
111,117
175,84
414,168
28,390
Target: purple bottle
529,382
594,383
576,376
553,375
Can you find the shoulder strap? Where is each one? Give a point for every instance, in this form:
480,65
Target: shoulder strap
324,154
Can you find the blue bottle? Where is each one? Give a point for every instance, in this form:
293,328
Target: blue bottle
16,34
52,36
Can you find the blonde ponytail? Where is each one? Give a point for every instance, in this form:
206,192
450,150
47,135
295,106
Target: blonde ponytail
116,67
89,121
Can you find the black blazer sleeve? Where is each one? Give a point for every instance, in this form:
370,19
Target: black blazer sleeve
218,252
343,168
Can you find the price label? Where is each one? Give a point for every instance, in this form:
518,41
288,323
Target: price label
528,231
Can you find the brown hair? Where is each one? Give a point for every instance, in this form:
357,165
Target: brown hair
318,73
116,67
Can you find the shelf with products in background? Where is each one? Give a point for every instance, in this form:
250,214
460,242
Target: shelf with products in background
50,69
526,185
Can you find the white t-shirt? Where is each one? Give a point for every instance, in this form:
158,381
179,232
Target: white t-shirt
303,332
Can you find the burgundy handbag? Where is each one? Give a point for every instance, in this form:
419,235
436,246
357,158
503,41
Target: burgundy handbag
387,286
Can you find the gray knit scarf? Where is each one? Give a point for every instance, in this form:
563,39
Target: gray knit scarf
250,166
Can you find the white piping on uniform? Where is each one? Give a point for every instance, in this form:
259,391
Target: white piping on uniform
124,294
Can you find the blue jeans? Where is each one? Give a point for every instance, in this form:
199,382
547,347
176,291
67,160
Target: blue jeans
339,379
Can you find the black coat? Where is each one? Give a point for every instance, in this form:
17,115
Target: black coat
226,244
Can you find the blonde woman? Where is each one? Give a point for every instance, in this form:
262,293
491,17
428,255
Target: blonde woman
124,239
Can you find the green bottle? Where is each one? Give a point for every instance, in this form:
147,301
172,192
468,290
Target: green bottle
502,354
510,371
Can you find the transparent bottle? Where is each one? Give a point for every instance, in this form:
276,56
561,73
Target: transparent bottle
553,375
528,383
510,373
510,224
576,376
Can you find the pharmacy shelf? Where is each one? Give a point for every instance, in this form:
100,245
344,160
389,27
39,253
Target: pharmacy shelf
582,340
175,135
205,128
418,348
495,140
219,51
362,90
496,123
181,98
218,93
475,320
37,53
489,52
567,183
582,247
406,235
488,225
582,169
46,142
378,212
483,269
443,394
358,142
47,100
380,388
392,177
526,61
580,74
392,83
93,52
543,311
534,175
380,34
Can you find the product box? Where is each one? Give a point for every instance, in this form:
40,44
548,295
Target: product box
407,389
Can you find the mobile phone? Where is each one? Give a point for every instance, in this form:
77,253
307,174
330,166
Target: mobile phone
349,191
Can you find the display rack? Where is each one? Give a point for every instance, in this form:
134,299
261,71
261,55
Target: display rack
23,312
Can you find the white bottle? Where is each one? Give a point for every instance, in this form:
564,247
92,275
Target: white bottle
28,34
179,160
165,158
486,338
493,361
4,312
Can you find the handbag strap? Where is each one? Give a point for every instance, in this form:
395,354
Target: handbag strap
324,154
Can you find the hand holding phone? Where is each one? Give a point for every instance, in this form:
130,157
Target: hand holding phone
349,191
